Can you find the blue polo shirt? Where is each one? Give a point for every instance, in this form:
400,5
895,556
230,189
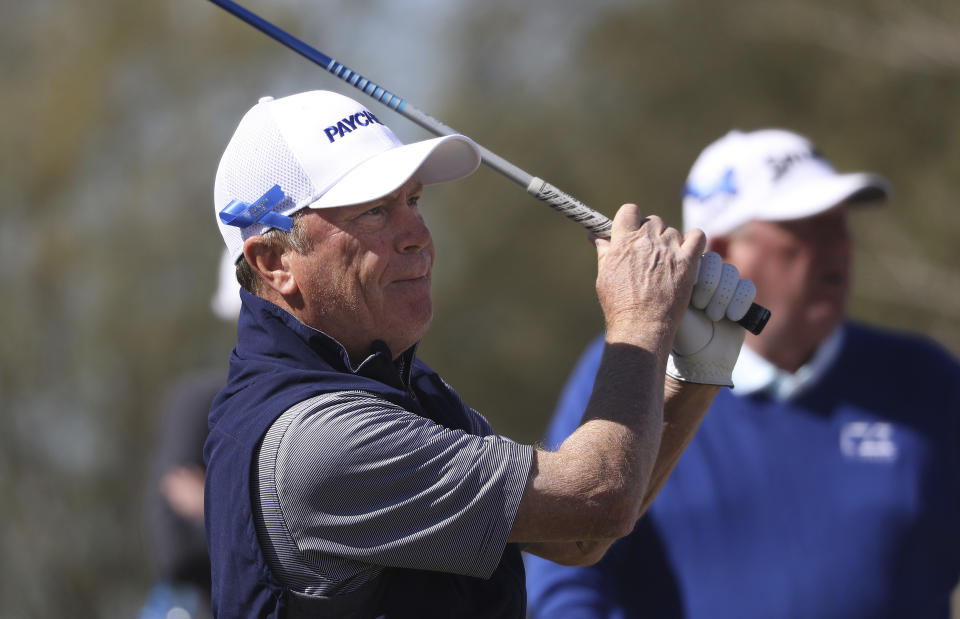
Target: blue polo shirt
842,500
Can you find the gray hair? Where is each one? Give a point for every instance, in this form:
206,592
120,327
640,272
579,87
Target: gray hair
296,239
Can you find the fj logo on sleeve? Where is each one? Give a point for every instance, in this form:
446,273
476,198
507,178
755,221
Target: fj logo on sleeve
868,441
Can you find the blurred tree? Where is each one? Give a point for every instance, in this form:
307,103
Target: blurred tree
115,115
621,116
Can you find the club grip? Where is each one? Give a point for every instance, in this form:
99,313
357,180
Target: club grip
753,321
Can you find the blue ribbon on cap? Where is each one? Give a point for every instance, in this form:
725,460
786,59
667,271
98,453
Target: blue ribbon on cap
241,214
724,185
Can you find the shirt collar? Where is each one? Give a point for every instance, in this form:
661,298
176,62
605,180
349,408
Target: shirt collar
298,342
753,373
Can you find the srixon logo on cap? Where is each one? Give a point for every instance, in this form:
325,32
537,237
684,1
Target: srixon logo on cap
782,164
349,124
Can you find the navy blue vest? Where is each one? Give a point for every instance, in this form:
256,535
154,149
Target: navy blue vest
278,362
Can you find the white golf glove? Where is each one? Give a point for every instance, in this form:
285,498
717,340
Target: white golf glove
708,341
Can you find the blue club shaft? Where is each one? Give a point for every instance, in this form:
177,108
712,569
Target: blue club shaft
598,224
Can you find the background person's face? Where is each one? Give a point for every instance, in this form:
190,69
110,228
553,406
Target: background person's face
802,272
368,274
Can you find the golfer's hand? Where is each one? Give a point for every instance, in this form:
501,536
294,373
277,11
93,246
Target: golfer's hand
645,275
708,340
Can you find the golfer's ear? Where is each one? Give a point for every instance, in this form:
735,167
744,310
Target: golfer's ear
271,263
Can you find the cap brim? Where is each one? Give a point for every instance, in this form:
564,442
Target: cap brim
438,160
808,197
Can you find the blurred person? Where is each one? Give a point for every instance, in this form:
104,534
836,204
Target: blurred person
346,478
827,482
176,495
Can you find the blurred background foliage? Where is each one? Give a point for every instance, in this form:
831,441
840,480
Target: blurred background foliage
115,115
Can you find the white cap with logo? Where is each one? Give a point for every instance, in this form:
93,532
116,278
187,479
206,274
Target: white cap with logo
320,149
768,175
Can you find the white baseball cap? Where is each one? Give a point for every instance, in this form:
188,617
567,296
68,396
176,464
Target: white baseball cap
320,149
768,175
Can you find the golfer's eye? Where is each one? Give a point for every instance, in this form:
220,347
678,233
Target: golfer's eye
413,200
377,210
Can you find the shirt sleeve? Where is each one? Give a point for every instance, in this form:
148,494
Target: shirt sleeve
361,479
562,591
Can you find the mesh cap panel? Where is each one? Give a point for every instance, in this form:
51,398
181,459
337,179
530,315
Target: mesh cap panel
256,159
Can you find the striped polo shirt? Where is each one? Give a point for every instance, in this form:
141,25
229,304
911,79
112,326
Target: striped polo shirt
350,483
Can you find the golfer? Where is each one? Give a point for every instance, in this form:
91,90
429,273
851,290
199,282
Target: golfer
345,478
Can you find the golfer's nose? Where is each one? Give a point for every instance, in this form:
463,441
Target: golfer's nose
413,234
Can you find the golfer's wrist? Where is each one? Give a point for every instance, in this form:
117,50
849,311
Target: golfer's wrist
655,336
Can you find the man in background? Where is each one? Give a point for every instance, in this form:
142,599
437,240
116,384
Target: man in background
827,482
175,494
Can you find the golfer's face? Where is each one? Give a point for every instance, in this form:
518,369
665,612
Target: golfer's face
801,269
368,274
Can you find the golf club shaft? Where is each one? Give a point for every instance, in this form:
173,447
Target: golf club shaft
579,212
